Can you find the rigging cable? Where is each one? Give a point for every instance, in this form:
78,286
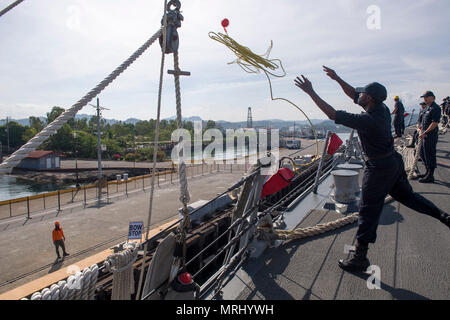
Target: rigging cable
11,6
251,62
155,149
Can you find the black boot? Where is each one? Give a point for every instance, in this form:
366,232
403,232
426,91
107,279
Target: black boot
422,175
429,178
358,261
445,218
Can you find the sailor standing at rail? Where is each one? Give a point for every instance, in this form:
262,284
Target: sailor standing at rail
423,105
384,173
399,121
429,132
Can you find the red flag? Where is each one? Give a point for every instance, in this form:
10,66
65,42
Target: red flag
406,114
334,144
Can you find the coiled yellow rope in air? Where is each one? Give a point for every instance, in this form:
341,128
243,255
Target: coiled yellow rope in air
251,62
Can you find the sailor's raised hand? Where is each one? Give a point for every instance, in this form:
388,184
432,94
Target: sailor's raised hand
304,84
331,73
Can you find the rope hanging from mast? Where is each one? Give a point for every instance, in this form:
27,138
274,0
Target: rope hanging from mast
163,39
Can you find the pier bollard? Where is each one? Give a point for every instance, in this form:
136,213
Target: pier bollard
10,209
171,171
107,191
125,177
85,196
118,177
43,198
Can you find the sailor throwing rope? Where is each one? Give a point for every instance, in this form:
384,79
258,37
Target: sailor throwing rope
384,173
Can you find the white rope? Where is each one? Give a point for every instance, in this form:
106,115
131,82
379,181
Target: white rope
300,233
179,262
416,158
121,265
80,286
8,164
184,193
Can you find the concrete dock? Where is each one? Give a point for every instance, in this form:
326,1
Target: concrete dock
26,245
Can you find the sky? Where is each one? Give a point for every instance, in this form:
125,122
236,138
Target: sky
53,52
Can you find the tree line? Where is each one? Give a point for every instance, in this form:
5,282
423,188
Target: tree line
129,141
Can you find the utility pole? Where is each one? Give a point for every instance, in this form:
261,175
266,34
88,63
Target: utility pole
7,135
134,153
76,159
99,145
99,148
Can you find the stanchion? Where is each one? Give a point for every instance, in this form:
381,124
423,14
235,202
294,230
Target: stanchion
85,196
59,201
28,208
319,169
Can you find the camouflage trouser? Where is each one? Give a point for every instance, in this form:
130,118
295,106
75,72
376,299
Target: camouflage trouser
59,243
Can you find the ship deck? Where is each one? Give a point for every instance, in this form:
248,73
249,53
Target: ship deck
412,252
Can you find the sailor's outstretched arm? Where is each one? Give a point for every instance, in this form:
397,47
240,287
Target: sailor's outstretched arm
348,89
306,86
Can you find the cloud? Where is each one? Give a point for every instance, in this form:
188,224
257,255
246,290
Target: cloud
53,52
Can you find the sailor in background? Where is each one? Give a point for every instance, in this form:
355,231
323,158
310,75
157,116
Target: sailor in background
445,105
429,132
384,172
419,121
58,239
399,121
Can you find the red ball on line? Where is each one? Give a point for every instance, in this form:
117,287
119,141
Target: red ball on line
225,23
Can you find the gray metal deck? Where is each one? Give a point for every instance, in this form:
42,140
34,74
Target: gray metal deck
412,252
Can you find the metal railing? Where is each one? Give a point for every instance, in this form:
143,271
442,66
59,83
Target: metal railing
88,194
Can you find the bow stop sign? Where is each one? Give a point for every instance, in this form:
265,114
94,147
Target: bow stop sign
135,230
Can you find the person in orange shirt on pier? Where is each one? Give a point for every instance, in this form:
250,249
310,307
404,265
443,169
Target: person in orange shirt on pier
58,240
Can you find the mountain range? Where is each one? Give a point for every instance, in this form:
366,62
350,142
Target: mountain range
271,123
